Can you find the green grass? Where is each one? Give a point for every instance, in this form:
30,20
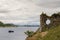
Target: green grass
53,34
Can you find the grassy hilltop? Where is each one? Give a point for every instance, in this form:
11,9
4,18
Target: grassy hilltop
51,34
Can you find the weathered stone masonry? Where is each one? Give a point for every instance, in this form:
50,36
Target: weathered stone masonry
54,21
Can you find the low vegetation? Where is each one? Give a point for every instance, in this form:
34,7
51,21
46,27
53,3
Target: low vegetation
29,33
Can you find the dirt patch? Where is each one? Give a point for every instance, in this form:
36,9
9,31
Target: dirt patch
37,35
43,33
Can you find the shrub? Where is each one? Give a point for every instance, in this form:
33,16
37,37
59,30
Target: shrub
29,33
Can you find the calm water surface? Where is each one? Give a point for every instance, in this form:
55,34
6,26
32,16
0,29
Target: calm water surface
17,35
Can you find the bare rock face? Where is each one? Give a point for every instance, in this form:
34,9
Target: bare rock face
54,21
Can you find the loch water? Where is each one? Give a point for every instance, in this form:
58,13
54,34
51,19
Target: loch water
18,33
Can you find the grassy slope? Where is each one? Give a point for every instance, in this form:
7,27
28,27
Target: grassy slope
53,34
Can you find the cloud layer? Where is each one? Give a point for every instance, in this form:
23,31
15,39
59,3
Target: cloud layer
26,11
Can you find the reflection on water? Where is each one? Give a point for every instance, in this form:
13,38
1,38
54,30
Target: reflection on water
17,35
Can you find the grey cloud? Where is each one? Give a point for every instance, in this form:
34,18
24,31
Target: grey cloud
11,18
21,9
34,17
34,23
50,4
34,20
25,0
4,11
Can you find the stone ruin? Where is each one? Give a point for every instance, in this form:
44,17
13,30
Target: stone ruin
46,22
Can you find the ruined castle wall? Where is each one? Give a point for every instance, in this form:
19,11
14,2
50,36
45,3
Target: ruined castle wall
54,21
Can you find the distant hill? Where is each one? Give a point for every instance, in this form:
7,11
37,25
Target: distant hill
6,25
28,25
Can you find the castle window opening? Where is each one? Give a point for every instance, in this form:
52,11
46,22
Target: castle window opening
48,21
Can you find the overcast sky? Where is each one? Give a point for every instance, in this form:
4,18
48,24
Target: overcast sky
26,11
